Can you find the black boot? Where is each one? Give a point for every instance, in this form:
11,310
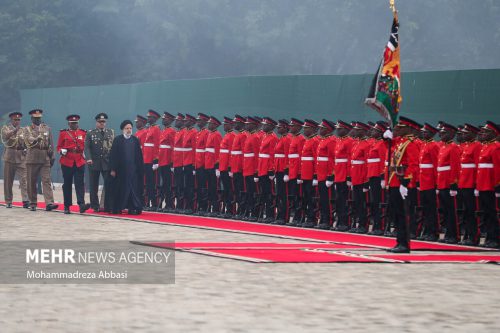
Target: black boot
84,207
51,206
66,210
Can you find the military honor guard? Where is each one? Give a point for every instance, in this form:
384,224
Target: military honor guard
281,169
199,163
140,125
165,168
150,147
188,159
39,159
212,153
97,148
294,188
14,158
236,164
177,162
250,168
224,169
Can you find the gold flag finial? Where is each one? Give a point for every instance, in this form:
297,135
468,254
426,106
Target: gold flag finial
392,5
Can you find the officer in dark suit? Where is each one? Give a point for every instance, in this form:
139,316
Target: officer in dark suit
97,148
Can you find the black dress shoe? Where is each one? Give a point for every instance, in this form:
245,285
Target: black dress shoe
376,233
341,228
50,207
362,230
96,209
399,249
468,242
279,222
9,205
448,241
323,226
33,208
84,208
188,212
66,210
308,224
26,204
115,212
490,244
252,219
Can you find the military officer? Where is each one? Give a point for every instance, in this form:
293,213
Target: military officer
177,161
250,167
71,145
39,159
236,163
224,168
150,148
140,125
188,144
199,163
165,162
292,174
281,168
97,148
14,158
212,151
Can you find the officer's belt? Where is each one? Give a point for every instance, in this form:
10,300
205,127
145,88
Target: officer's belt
165,147
485,165
182,149
341,160
322,159
236,152
468,165
249,155
426,166
210,150
149,145
198,150
224,151
264,155
444,168
307,158
373,160
279,155
293,155
357,162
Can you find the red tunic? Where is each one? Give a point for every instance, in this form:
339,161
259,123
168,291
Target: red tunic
141,135
294,153
342,158
251,154
225,151
236,161
377,157
325,157
409,153
359,157
166,146
266,153
151,144
280,153
212,149
188,144
488,168
469,159
74,143
201,141
177,155
448,167
428,161
308,158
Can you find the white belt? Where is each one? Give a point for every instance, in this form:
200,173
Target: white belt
444,168
341,160
357,162
426,166
485,165
200,150
210,150
149,145
182,149
165,146
264,155
236,152
307,158
373,160
249,155
468,165
293,155
224,151
322,159
279,155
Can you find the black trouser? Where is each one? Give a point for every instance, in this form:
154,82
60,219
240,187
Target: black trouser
179,186
188,187
77,174
375,200
227,191
294,191
448,207
428,201
150,178
251,189
400,211
239,187
359,202
265,195
212,190
325,208
94,188
342,192
201,189
469,217
308,194
487,202
412,200
166,185
281,197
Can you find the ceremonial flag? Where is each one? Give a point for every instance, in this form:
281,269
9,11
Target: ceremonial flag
385,92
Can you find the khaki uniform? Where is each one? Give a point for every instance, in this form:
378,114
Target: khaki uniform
39,159
14,161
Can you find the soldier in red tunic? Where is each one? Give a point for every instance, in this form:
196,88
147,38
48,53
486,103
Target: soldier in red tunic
165,169
140,125
199,163
236,164
281,168
212,151
177,162
428,160
225,177
188,154
325,160
250,168
294,189
488,181
150,147
470,149
448,169
266,170
308,173
70,145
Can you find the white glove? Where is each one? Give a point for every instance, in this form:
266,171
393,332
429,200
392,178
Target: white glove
255,179
286,179
387,134
272,177
497,195
365,189
194,172
382,183
172,169
437,191
155,166
453,193
230,174
404,191
349,183
217,173
315,182
476,193
299,181
328,183
64,151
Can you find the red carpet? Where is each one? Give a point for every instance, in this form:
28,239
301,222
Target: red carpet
248,246
440,258
277,231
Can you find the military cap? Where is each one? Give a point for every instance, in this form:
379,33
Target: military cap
429,128
491,126
360,126
214,120
251,120
239,119
37,113
227,120
259,119
470,128
101,116
153,113
180,116
168,115
371,123
190,117
269,121
295,121
283,123
327,124
15,115
343,124
310,123
447,127
73,118
407,122
380,126
139,117
202,116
